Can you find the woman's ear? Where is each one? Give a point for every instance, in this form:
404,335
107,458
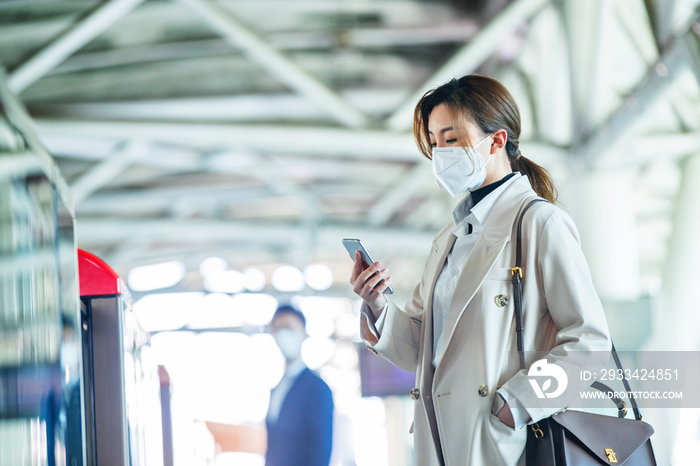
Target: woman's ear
500,137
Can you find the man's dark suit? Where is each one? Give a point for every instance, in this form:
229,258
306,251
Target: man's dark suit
303,433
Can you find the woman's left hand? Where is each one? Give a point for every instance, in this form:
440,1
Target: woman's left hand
506,416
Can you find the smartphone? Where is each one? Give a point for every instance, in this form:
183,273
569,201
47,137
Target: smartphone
353,245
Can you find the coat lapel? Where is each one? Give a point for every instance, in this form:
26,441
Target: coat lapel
441,246
488,248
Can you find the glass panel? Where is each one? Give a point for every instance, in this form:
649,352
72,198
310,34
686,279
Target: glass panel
40,351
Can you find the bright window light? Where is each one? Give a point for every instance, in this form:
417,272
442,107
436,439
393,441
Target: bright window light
254,279
156,276
221,356
316,351
173,350
318,276
310,305
321,313
369,422
257,308
217,310
224,281
232,367
345,356
212,265
348,326
167,311
288,278
236,458
269,363
319,324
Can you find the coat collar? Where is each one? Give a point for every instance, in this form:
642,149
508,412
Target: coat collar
482,209
499,223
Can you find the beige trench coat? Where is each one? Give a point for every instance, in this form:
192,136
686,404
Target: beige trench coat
561,312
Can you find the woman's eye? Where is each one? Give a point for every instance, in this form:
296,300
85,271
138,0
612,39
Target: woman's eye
432,144
451,141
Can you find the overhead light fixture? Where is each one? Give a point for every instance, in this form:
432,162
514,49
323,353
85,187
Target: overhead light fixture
288,278
211,265
218,310
257,308
318,276
320,313
167,311
156,276
224,281
254,279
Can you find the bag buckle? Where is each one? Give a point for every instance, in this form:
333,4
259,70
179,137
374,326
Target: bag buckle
535,429
518,270
611,455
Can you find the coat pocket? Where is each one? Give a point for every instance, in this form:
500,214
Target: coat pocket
499,273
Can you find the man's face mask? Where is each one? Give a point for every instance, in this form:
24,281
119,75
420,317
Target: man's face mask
289,342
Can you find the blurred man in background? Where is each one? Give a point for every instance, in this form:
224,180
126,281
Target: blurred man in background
300,417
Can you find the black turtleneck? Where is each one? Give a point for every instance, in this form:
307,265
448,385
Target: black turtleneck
480,193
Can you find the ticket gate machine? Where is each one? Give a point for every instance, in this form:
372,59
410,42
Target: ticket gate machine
122,386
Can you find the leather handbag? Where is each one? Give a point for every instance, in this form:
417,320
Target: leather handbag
569,437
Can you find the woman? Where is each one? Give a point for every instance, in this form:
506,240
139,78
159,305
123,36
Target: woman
457,330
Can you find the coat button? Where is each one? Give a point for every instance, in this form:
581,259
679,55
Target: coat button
501,300
415,394
483,391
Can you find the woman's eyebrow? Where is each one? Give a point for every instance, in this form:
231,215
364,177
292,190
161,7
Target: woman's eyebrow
443,130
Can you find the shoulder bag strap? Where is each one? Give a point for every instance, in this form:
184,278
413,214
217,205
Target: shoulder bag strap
517,277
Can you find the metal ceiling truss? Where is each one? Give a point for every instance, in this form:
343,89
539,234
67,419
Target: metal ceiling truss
173,149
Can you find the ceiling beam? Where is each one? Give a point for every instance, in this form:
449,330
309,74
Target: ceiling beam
269,171
417,179
137,202
276,63
105,171
263,139
68,43
469,57
19,165
220,76
106,231
302,140
361,38
583,32
23,124
245,108
635,23
598,145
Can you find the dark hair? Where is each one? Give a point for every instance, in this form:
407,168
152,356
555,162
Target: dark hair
491,107
289,309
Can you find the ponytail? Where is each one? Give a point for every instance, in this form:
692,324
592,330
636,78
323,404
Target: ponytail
539,178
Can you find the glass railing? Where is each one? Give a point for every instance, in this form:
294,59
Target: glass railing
41,416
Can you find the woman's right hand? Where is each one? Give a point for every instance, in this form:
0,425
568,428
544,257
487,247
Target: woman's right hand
366,283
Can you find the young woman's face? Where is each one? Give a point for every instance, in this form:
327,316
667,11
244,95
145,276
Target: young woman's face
443,134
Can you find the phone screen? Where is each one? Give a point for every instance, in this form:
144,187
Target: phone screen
353,245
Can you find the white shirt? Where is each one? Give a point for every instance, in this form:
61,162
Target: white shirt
279,393
463,215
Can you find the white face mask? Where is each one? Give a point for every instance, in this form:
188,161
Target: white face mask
457,169
289,343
